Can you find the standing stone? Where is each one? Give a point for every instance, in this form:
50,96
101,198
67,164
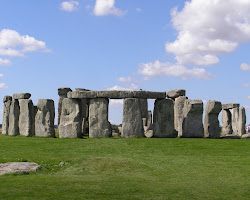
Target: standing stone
44,120
192,119
6,112
62,92
14,118
70,124
178,113
26,118
211,123
144,108
99,125
226,122
235,120
163,125
132,119
149,121
242,122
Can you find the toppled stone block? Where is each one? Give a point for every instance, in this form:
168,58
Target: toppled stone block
14,118
18,167
44,120
70,124
246,136
230,137
176,93
132,120
7,98
226,122
163,120
178,113
99,125
211,122
21,96
26,118
230,106
192,126
6,113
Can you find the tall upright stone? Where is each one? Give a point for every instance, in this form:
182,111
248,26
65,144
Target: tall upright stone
242,122
70,121
99,125
132,118
62,92
226,122
163,120
26,118
178,113
235,120
192,125
14,118
144,108
211,122
149,120
44,120
6,112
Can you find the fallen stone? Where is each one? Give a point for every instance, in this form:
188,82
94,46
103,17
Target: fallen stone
163,120
14,118
132,120
21,96
226,122
230,137
18,167
62,92
149,133
230,106
192,126
44,118
70,125
178,113
6,114
242,122
114,94
246,136
26,118
211,122
99,125
176,93
7,98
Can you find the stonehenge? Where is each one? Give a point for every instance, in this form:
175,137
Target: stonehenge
84,113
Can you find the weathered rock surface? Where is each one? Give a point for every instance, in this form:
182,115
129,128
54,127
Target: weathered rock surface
163,120
211,122
226,122
99,125
44,118
26,118
6,113
178,113
7,98
14,118
149,120
235,121
246,136
176,93
192,125
144,108
242,122
21,96
18,167
70,125
230,137
115,94
149,133
230,106
132,120
62,92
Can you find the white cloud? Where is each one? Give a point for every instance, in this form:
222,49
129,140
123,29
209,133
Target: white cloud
245,67
69,6
2,85
138,9
126,79
1,75
107,7
129,87
207,29
4,62
159,69
117,103
248,97
246,85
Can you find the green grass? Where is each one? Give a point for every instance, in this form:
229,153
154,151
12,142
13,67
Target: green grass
127,168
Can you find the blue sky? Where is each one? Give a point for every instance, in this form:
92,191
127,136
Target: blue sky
201,46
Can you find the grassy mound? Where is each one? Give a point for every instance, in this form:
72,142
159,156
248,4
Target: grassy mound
127,168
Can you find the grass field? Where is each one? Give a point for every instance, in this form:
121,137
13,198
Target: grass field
127,168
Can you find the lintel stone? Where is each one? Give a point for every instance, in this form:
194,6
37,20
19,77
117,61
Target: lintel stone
176,93
230,106
21,96
7,98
